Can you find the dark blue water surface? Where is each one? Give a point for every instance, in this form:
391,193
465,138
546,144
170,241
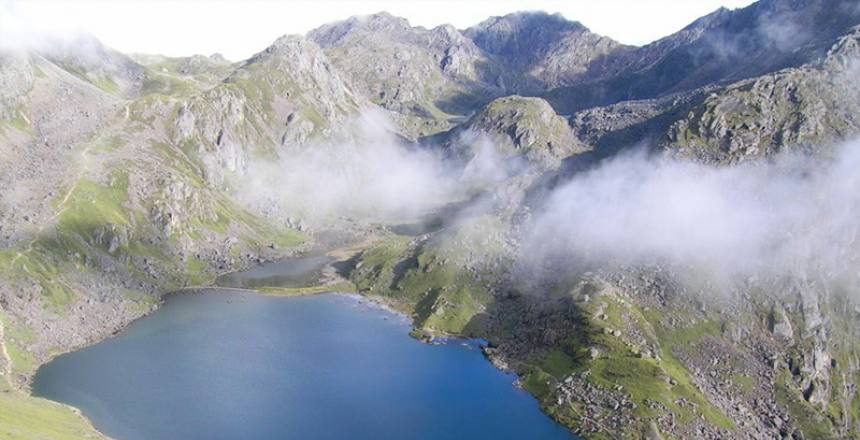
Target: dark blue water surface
214,365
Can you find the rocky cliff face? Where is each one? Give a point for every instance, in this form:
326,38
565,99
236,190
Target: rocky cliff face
275,101
544,51
801,108
424,76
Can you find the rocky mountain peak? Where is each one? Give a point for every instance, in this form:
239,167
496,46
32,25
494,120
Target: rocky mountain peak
520,33
382,22
708,21
450,35
846,52
544,50
294,59
385,58
524,126
287,44
723,47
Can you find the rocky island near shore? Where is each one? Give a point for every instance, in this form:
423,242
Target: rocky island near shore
660,241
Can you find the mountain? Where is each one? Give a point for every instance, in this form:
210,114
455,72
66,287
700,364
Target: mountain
722,47
425,77
276,100
524,53
106,210
544,51
128,176
517,127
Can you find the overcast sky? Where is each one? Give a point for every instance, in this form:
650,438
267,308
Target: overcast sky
237,29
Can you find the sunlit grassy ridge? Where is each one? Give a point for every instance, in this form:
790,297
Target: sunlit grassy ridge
441,297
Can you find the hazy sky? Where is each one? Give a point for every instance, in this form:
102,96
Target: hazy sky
238,29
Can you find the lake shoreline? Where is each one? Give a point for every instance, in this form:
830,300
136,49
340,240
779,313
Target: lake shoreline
245,306
330,281
338,253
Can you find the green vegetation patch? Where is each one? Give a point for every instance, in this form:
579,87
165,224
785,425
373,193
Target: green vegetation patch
615,363
16,339
811,422
27,418
442,296
558,364
89,203
343,287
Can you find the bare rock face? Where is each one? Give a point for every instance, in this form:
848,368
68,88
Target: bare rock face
274,101
518,126
781,326
803,108
16,79
541,51
175,201
297,64
418,74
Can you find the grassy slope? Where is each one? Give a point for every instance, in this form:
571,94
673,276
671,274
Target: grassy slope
643,378
422,281
23,417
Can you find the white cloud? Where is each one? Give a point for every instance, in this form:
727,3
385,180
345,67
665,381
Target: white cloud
792,215
370,175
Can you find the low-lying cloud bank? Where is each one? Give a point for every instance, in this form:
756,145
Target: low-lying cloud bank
370,175
791,215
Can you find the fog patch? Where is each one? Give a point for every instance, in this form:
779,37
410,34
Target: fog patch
791,215
369,175
783,30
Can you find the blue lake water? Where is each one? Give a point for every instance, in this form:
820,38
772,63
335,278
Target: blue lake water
214,365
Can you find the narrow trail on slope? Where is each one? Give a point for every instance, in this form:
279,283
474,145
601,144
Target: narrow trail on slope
61,209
